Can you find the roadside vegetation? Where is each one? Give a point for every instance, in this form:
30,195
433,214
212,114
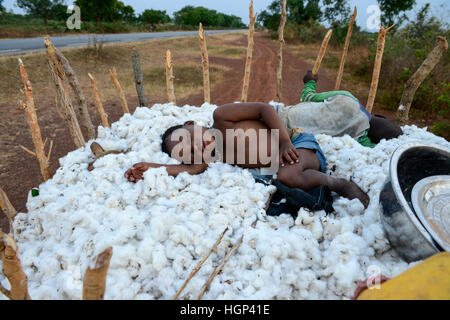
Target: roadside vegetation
97,59
406,49
108,16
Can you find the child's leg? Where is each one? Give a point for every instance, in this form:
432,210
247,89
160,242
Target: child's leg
306,176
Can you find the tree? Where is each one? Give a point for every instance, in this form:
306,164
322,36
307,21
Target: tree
393,11
2,8
98,10
59,12
300,11
154,16
192,16
336,12
124,12
39,8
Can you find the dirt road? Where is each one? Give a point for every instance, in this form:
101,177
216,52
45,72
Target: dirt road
263,76
19,172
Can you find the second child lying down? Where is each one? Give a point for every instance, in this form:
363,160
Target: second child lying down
336,113
300,162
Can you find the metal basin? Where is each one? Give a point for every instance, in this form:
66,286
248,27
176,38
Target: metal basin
431,203
410,164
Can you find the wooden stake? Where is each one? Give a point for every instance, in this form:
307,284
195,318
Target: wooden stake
6,206
170,78
248,63
63,96
76,87
280,52
116,82
219,268
28,150
98,102
139,79
94,282
323,50
30,114
346,46
377,67
12,269
199,265
419,76
49,155
205,64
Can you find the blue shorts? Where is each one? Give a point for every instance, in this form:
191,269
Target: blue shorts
300,141
308,141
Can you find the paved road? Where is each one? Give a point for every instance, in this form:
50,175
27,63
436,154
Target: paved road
20,46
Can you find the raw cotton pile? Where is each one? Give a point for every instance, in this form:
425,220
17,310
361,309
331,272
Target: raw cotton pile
161,227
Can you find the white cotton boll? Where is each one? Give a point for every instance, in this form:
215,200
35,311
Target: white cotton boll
180,234
304,217
159,260
165,280
43,292
161,227
217,220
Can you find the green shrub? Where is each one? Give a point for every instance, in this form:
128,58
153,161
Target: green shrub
442,129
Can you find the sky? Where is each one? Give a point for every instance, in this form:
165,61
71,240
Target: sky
240,7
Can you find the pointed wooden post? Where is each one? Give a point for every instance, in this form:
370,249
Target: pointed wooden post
205,64
170,78
94,282
344,54
280,52
323,50
377,67
248,63
76,87
30,114
8,209
12,269
123,100
419,76
98,102
199,265
139,79
65,108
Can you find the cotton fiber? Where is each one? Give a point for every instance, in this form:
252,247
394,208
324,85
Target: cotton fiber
161,227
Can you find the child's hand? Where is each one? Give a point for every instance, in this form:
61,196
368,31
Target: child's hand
136,173
288,153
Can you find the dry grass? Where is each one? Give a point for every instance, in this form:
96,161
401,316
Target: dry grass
188,78
229,51
97,61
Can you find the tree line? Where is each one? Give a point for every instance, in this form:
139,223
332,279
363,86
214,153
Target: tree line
335,12
115,10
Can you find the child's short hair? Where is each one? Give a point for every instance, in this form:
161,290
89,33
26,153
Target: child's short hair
166,135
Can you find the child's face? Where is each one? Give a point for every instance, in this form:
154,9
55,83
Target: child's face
188,144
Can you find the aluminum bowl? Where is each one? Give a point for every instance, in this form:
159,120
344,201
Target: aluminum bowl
431,203
410,164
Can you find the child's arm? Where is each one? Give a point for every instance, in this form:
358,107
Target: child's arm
137,171
236,112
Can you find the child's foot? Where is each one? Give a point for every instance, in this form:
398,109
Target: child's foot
350,190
